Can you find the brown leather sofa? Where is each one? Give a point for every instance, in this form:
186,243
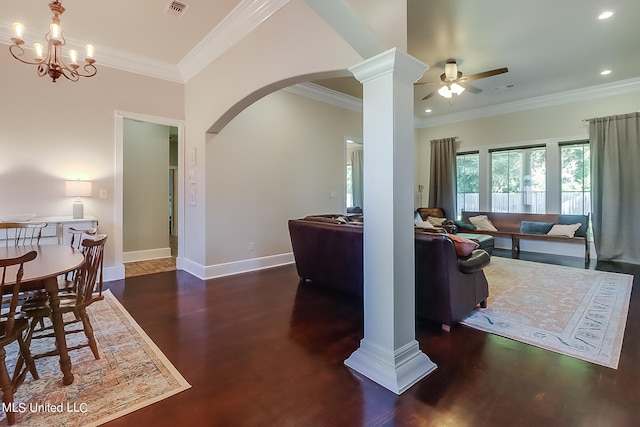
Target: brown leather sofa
328,251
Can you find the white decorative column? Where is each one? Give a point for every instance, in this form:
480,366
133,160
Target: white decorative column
389,353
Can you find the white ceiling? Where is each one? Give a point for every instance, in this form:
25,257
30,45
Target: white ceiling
549,46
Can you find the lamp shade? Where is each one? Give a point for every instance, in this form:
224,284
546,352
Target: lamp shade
77,188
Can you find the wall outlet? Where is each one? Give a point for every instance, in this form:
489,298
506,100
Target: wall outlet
103,194
252,246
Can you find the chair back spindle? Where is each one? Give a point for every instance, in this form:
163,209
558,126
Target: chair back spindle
21,233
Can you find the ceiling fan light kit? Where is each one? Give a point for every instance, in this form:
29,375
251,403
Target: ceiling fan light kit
452,78
449,90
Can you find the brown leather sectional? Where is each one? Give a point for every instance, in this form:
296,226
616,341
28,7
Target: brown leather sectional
328,251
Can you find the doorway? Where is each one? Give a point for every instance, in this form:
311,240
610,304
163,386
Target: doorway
173,205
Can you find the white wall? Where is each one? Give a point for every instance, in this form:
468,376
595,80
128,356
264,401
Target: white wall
290,46
281,158
53,132
146,191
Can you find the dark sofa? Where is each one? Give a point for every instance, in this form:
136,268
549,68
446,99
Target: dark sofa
328,251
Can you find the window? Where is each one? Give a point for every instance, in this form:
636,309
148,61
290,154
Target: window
575,178
468,177
518,180
349,185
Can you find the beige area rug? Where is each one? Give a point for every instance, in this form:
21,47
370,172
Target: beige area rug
575,312
131,373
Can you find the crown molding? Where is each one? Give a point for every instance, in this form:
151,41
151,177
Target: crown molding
242,20
322,94
138,64
328,96
566,97
107,57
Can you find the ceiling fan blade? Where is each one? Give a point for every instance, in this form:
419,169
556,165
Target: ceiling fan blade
426,83
430,95
470,88
485,74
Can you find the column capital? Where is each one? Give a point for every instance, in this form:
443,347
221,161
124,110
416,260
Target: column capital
391,61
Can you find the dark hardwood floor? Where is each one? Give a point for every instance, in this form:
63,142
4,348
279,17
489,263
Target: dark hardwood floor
259,350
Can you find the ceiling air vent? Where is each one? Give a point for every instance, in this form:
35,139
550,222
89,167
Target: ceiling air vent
176,8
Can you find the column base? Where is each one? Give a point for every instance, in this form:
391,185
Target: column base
396,371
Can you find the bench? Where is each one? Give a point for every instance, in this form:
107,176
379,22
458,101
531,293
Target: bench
509,226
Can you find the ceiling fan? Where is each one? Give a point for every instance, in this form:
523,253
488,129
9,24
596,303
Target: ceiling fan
451,80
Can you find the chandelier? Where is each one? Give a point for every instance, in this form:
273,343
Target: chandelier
52,63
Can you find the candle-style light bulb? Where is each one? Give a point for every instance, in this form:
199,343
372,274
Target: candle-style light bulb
90,52
18,30
73,56
37,47
56,32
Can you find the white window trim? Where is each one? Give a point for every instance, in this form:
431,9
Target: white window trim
553,173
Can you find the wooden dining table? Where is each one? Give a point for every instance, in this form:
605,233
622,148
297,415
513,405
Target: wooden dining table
42,274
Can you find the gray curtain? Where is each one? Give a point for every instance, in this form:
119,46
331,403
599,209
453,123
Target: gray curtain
614,143
357,178
443,176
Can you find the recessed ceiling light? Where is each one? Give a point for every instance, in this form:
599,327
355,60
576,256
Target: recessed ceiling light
605,72
428,110
605,15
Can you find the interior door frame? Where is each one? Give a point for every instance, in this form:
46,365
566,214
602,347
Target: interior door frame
119,190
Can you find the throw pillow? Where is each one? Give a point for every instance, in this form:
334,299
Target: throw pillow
482,223
463,246
425,225
568,230
533,227
464,226
574,219
436,221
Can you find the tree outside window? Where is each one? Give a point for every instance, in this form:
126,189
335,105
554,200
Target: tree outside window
518,180
468,177
575,178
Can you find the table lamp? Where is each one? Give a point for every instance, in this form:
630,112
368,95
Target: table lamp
78,189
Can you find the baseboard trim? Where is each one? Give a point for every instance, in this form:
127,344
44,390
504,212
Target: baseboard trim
245,266
113,273
146,255
212,271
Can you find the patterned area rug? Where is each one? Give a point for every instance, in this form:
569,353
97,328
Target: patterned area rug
576,312
131,373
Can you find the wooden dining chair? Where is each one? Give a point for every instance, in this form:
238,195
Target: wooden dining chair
87,289
11,330
66,282
21,233
77,235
